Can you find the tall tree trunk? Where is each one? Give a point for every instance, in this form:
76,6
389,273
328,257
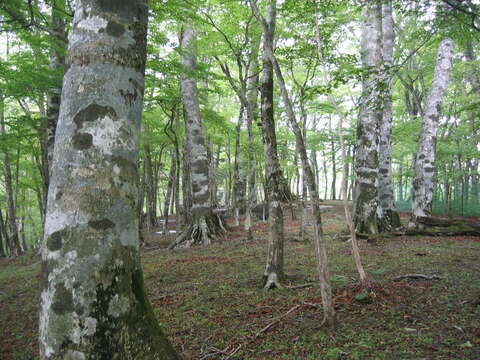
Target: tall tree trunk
334,163
273,273
320,248
205,226
3,238
57,63
150,186
93,302
367,216
252,115
186,186
170,190
237,191
385,186
423,182
15,248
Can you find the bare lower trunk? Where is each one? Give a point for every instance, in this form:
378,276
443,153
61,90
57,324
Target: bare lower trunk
93,302
237,193
423,184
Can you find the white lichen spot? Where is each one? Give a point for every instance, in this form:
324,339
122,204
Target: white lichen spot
92,23
116,169
90,326
46,304
129,236
118,306
74,355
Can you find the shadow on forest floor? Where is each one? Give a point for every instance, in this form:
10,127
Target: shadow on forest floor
210,304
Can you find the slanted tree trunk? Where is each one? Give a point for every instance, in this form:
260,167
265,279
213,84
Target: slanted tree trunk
204,226
93,302
273,274
423,182
385,186
170,190
14,244
320,248
367,216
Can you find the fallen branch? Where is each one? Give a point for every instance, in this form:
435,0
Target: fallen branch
416,276
275,321
301,286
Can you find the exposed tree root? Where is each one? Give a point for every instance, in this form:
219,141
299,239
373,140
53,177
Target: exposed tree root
202,231
271,281
426,225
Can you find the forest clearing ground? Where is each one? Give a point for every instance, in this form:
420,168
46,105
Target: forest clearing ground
210,303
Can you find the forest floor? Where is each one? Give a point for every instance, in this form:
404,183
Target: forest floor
211,305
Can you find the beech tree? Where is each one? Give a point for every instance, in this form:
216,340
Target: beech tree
423,183
204,225
93,302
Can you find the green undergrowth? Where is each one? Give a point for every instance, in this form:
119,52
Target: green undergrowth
211,306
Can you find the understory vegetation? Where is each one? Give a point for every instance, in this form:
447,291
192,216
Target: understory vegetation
209,299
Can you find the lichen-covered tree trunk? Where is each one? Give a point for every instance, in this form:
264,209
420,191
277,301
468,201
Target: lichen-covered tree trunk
93,301
423,182
204,226
57,63
367,213
273,273
14,243
170,190
385,187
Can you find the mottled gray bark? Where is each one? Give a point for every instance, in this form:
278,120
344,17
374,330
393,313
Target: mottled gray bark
423,183
367,213
204,226
57,64
14,240
273,273
3,239
385,186
93,302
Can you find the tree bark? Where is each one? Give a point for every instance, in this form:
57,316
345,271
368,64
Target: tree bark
319,240
423,182
273,274
367,215
237,188
150,186
14,243
204,226
385,186
252,115
93,302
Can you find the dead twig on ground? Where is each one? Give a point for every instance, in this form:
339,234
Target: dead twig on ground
416,277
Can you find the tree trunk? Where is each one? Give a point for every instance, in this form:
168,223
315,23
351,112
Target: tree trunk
93,302
237,191
3,238
150,186
320,248
252,114
367,217
205,226
170,190
57,63
273,274
14,244
423,182
385,186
